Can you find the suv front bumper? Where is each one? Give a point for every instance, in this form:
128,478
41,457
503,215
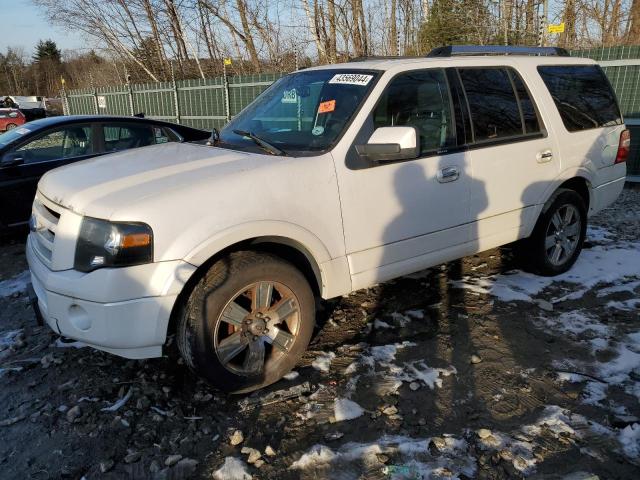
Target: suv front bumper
124,311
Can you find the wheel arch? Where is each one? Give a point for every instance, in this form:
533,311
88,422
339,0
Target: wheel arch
290,249
581,186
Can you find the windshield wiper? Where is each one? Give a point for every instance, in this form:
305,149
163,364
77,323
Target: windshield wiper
261,143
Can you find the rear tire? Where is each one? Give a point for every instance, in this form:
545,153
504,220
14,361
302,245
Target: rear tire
10,126
557,239
247,322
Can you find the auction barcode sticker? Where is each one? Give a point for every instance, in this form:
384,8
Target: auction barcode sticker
351,79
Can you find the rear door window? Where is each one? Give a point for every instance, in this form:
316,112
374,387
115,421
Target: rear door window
493,103
161,135
582,95
125,137
527,107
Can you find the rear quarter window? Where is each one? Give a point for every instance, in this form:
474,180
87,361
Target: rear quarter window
583,96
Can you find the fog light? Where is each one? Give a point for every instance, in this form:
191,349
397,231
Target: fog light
79,317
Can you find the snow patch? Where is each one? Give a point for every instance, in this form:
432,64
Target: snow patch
16,284
387,353
345,409
629,439
379,362
626,305
8,338
619,288
599,234
411,456
232,469
420,371
378,324
323,361
576,322
595,265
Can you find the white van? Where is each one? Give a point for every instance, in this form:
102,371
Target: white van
334,179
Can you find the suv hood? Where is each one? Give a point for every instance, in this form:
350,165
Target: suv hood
103,185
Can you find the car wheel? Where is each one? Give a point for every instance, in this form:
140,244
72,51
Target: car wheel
558,236
11,126
247,321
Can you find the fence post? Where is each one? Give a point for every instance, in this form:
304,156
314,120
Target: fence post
95,96
130,96
225,81
65,102
129,92
96,108
176,103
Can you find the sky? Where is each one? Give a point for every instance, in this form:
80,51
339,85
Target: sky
23,25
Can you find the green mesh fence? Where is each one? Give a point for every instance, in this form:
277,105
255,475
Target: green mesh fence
198,103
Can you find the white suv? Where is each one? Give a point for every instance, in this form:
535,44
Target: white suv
334,179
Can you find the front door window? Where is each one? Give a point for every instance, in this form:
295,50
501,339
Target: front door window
69,142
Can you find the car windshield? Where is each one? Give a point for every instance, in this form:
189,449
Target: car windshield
303,112
10,135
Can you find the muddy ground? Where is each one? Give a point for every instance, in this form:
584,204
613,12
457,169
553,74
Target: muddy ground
473,369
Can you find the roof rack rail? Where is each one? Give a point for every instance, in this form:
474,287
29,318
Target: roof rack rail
455,50
380,57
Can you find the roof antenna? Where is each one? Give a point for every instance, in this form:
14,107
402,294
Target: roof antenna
214,138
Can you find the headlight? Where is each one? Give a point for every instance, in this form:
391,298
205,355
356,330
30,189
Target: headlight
112,244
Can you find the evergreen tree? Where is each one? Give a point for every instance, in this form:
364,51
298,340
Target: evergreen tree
47,50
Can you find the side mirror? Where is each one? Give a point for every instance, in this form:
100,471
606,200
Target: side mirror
388,144
11,159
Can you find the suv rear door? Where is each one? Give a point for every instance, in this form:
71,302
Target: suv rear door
512,157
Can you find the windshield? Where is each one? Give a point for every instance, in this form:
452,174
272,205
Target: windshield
302,112
10,135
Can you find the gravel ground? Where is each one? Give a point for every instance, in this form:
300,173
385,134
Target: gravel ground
473,369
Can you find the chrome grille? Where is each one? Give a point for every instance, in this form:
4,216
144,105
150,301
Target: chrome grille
44,221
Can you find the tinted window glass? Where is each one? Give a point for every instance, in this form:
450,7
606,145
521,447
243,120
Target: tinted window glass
15,134
124,137
583,96
419,99
302,112
160,135
531,122
65,143
493,104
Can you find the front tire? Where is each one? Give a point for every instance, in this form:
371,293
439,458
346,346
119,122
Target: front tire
557,239
10,126
247,321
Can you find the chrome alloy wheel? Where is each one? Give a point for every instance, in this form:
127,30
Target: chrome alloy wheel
563,234
257,328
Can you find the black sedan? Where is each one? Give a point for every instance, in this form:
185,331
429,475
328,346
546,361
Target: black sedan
31,150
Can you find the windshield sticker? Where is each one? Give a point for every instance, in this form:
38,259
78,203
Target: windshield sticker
351,79
289,96
326,107
317,130
21,131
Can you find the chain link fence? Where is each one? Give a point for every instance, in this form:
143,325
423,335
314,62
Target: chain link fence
213,102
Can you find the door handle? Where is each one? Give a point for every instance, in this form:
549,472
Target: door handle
544,156
448,174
